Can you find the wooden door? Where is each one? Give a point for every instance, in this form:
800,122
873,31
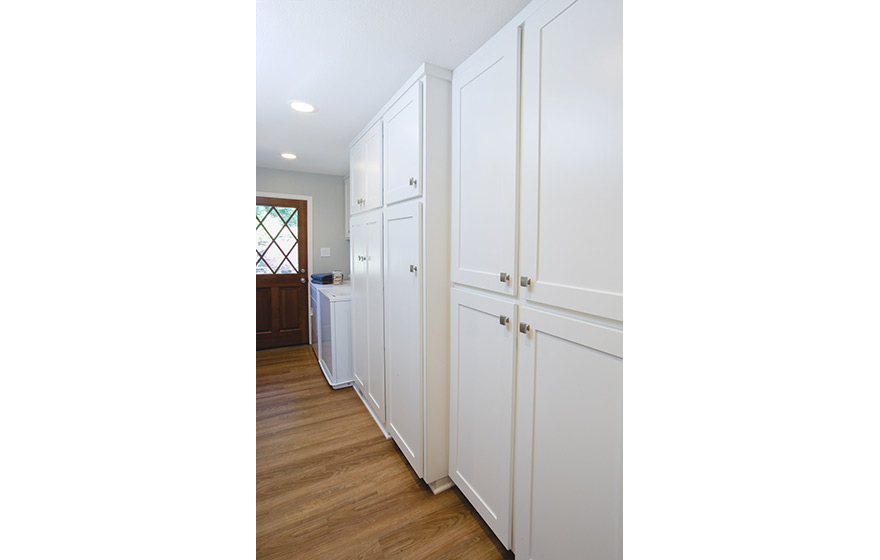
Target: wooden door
572,163
569,424
403,329
485,137
403,146
481,393
282,275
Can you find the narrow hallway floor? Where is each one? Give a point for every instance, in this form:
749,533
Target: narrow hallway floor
330,486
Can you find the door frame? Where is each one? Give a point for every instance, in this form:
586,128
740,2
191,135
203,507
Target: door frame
309,245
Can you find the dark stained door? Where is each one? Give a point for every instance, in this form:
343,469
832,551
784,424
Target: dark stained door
282,274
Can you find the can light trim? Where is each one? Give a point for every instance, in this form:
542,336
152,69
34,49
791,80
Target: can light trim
303,107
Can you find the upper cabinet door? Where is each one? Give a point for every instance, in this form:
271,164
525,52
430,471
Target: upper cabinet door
357,176
373,185
484,166
366,171
572,164
403,146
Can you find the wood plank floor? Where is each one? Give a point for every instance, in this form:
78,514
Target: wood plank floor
330,486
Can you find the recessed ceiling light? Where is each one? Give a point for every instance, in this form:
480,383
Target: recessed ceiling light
288,156
303,107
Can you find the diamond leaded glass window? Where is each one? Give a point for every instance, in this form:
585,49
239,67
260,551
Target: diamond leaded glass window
277,231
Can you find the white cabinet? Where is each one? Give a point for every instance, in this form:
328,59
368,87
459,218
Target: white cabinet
484,166
367,310
572,166
403,146
346,207
536,232
313,316
481,395
568,439
331,331
416,173
366,170
403,329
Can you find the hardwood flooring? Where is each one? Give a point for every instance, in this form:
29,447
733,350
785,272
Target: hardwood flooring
330,486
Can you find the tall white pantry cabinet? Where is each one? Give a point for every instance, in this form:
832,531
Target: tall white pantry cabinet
400,232
536,265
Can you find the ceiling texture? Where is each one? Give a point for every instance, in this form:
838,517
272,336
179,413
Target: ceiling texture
348,57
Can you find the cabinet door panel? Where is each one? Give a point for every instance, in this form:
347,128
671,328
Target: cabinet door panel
403,326
373,164
484,166
375,393
403,146
572,166
568,440
357,176
327,337
359,299
481,406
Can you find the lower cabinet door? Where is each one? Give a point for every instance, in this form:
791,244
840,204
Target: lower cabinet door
481,394
403,330
359,305
375,390
567,484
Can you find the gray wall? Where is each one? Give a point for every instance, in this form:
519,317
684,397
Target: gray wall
326,212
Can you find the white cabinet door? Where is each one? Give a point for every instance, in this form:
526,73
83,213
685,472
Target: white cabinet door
403,329
368,358
481,393
571,232
366,171
357,169
484,166
375,393
359,305
327,349
568,439
403,146
340,318
346,207
316,321
373,186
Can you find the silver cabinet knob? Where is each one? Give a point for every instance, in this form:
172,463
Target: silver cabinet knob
302,271
412,181
303,280
525,281
524,328
413,268
504,276
504,320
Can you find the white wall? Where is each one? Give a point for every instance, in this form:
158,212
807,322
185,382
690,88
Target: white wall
326,212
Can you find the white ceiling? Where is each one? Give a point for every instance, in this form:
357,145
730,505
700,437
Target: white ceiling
348,57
